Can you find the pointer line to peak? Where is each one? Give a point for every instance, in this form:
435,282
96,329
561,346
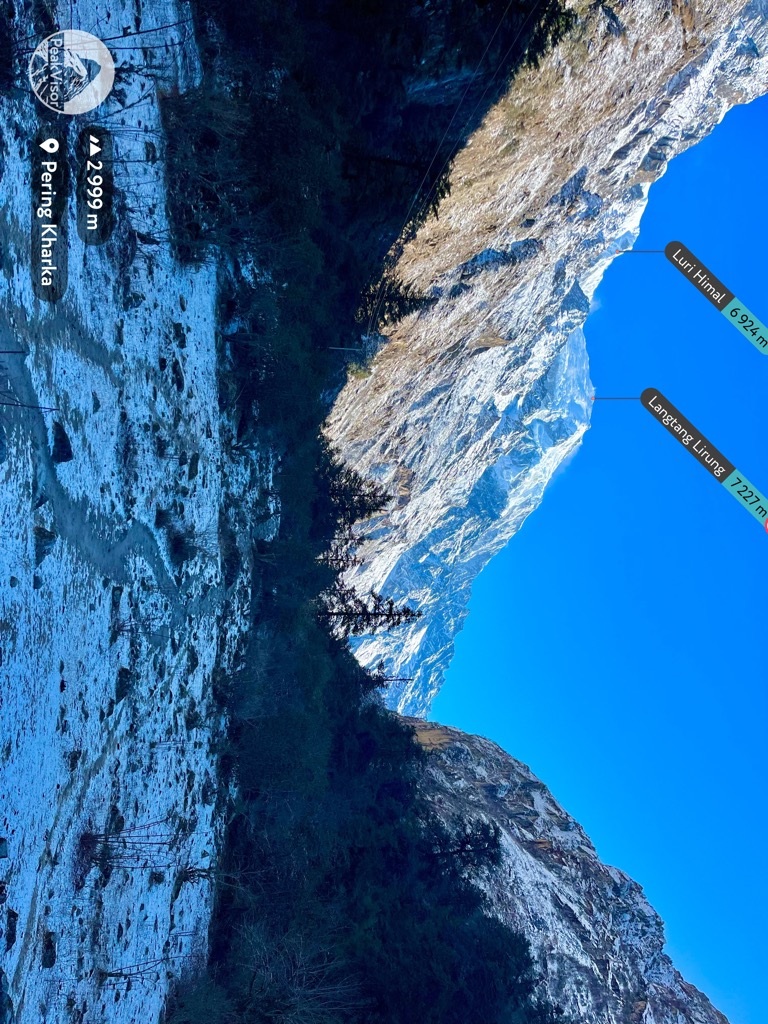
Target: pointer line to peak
614,398
620,252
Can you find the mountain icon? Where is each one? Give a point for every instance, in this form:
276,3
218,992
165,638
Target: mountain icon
78,74
65,79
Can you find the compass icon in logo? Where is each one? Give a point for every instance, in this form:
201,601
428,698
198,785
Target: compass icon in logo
71,72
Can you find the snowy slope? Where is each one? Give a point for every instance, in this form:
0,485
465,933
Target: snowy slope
110,628
472,404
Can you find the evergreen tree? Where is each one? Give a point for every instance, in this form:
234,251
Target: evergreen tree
354,614
478,845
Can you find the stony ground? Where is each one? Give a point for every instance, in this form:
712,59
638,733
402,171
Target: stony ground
117,601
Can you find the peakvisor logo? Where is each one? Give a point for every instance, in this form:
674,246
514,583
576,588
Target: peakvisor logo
71,72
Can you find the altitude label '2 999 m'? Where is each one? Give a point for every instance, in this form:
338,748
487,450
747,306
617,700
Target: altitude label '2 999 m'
94,185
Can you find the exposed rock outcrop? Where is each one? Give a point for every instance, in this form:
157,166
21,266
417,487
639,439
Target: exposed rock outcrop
599,943
474,402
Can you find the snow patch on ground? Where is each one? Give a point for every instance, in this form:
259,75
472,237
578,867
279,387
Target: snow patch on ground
114,611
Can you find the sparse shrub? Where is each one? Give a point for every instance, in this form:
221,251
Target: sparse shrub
163,518
181,548
124,685
202,1001
62,449
44,542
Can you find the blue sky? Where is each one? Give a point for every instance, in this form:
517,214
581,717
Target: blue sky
618,644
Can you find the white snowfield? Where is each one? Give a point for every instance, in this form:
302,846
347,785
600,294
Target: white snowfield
108,642
473,403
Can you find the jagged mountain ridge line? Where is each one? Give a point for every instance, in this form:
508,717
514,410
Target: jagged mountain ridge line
472,404
597,941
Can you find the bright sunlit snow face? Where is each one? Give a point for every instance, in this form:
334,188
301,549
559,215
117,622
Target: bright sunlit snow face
618,646
468,434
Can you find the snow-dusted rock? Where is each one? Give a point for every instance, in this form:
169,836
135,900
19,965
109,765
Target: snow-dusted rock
473,403
598,942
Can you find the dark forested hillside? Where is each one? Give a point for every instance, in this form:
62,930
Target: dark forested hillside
319,134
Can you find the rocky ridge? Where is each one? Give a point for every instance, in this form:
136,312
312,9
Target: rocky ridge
598,942
473,403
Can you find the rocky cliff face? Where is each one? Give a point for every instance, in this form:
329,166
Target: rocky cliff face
472,404
599,943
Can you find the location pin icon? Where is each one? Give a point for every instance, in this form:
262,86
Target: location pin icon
50,146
